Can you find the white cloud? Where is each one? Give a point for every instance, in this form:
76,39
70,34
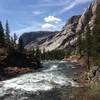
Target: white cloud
37,12
51,23
48,26
50,4
52,19
65,9
82,1
39,27
71,5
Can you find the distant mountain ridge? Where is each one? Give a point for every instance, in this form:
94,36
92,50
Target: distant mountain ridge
68,35
35,36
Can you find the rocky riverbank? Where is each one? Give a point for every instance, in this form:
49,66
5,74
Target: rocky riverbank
89,80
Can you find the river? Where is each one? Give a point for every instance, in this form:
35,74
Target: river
44,84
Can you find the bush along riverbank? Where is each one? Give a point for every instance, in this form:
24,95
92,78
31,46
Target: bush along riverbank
16,63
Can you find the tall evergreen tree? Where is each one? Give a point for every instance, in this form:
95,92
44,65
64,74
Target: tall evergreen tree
33,52
88,43
2,36
12,42
79,43
96,41
96,36
7,33
21,45
44,54
38,52
15,38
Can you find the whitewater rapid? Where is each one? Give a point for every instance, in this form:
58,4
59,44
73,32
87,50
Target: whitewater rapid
54,74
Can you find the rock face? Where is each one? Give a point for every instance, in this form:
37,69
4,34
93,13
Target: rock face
36,37
68,35
89,16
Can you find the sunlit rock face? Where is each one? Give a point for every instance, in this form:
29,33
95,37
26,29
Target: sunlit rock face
89,16
68,35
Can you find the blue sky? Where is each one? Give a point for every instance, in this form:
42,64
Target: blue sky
35,15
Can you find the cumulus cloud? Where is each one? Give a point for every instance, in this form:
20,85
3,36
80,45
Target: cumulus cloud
51,23
48,26
52,19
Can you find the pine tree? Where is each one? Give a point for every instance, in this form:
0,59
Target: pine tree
79,43
15,38
7,33
33,52
21,45
44,54
96,39
38,52
88,43
2,36
13,42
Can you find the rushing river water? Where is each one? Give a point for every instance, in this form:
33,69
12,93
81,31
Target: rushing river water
45,84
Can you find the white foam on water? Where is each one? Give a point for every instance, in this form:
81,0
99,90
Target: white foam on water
73,67
35,82
62,61
73,84
53,67
39,81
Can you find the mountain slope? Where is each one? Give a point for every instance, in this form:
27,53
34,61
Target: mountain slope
35,36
